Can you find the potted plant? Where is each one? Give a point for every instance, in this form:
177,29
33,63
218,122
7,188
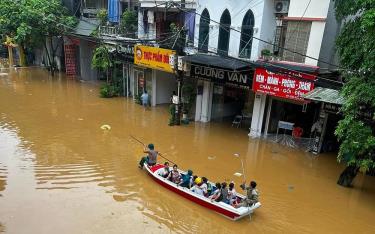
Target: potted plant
265,54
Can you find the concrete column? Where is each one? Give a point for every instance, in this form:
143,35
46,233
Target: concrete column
198,107
153,98
206,101
258,112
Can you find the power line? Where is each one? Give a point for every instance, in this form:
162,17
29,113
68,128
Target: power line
264,41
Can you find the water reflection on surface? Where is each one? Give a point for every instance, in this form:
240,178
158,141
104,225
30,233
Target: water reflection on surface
59,172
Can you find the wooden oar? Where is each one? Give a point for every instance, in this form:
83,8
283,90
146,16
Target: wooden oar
160,154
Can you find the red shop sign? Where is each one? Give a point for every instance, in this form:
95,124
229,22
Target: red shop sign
282,85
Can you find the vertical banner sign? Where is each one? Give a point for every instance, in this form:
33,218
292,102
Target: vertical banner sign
155,58
70,60
291,86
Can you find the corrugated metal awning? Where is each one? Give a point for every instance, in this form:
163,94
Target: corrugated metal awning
217,61
85,28
326,95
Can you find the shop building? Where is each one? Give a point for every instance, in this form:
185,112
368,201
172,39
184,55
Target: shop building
223,87
154,71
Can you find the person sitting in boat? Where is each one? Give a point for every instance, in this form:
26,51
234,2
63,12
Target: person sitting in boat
209,186
252,194
216,195
204,186
192,181
174,175
186,179
165,172
151,157
232,195
224,192
196,187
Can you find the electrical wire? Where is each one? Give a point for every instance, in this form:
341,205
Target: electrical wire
264,41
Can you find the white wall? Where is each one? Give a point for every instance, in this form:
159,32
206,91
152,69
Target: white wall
315,42
323,32
264,28
332,28
165,85
267,31
316,9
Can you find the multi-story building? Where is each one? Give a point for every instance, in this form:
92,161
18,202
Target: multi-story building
155,22
291,41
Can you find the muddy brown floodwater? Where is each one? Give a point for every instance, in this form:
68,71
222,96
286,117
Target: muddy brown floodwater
61,173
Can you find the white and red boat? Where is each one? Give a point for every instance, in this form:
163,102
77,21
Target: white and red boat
219,207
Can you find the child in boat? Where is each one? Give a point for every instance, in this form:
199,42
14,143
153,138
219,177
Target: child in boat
205,186
186,179
224,192
174,175
232,195
151,157
165,172
216,193
196,187
192,181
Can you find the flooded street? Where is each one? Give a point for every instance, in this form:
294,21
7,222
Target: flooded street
61,173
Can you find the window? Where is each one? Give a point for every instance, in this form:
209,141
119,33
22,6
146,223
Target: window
296,39
246,35
224,33
204,31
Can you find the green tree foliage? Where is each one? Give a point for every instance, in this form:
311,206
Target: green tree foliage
102,59
102,16
30,22
356,48
129,23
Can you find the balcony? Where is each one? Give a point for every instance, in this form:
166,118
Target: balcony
115,32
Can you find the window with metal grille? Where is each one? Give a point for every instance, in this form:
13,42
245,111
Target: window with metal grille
204,31
246,35
296,40
224,33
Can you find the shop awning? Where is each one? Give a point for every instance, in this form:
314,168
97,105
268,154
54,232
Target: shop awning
217,61
325,95
85,28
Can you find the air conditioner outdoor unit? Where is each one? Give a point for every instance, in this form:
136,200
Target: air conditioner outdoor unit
281,6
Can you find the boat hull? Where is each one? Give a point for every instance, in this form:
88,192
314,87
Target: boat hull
219,207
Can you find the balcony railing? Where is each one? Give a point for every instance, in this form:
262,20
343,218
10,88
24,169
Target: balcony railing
90,12
115,31
189,4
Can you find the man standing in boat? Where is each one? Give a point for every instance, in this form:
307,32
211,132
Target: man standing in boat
252,194
151,157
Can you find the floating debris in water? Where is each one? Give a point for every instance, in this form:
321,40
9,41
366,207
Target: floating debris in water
81,119
211,157
237,174
105,127
290,187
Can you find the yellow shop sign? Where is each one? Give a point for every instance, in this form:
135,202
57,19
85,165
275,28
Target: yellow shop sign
153,57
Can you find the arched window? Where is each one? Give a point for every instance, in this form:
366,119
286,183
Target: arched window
224,33
246,35
204,31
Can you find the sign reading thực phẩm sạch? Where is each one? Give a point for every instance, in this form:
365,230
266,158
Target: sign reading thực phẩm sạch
155,58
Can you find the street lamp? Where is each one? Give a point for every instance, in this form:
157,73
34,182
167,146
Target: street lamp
237,155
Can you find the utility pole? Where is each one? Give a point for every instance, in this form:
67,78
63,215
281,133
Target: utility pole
179,78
